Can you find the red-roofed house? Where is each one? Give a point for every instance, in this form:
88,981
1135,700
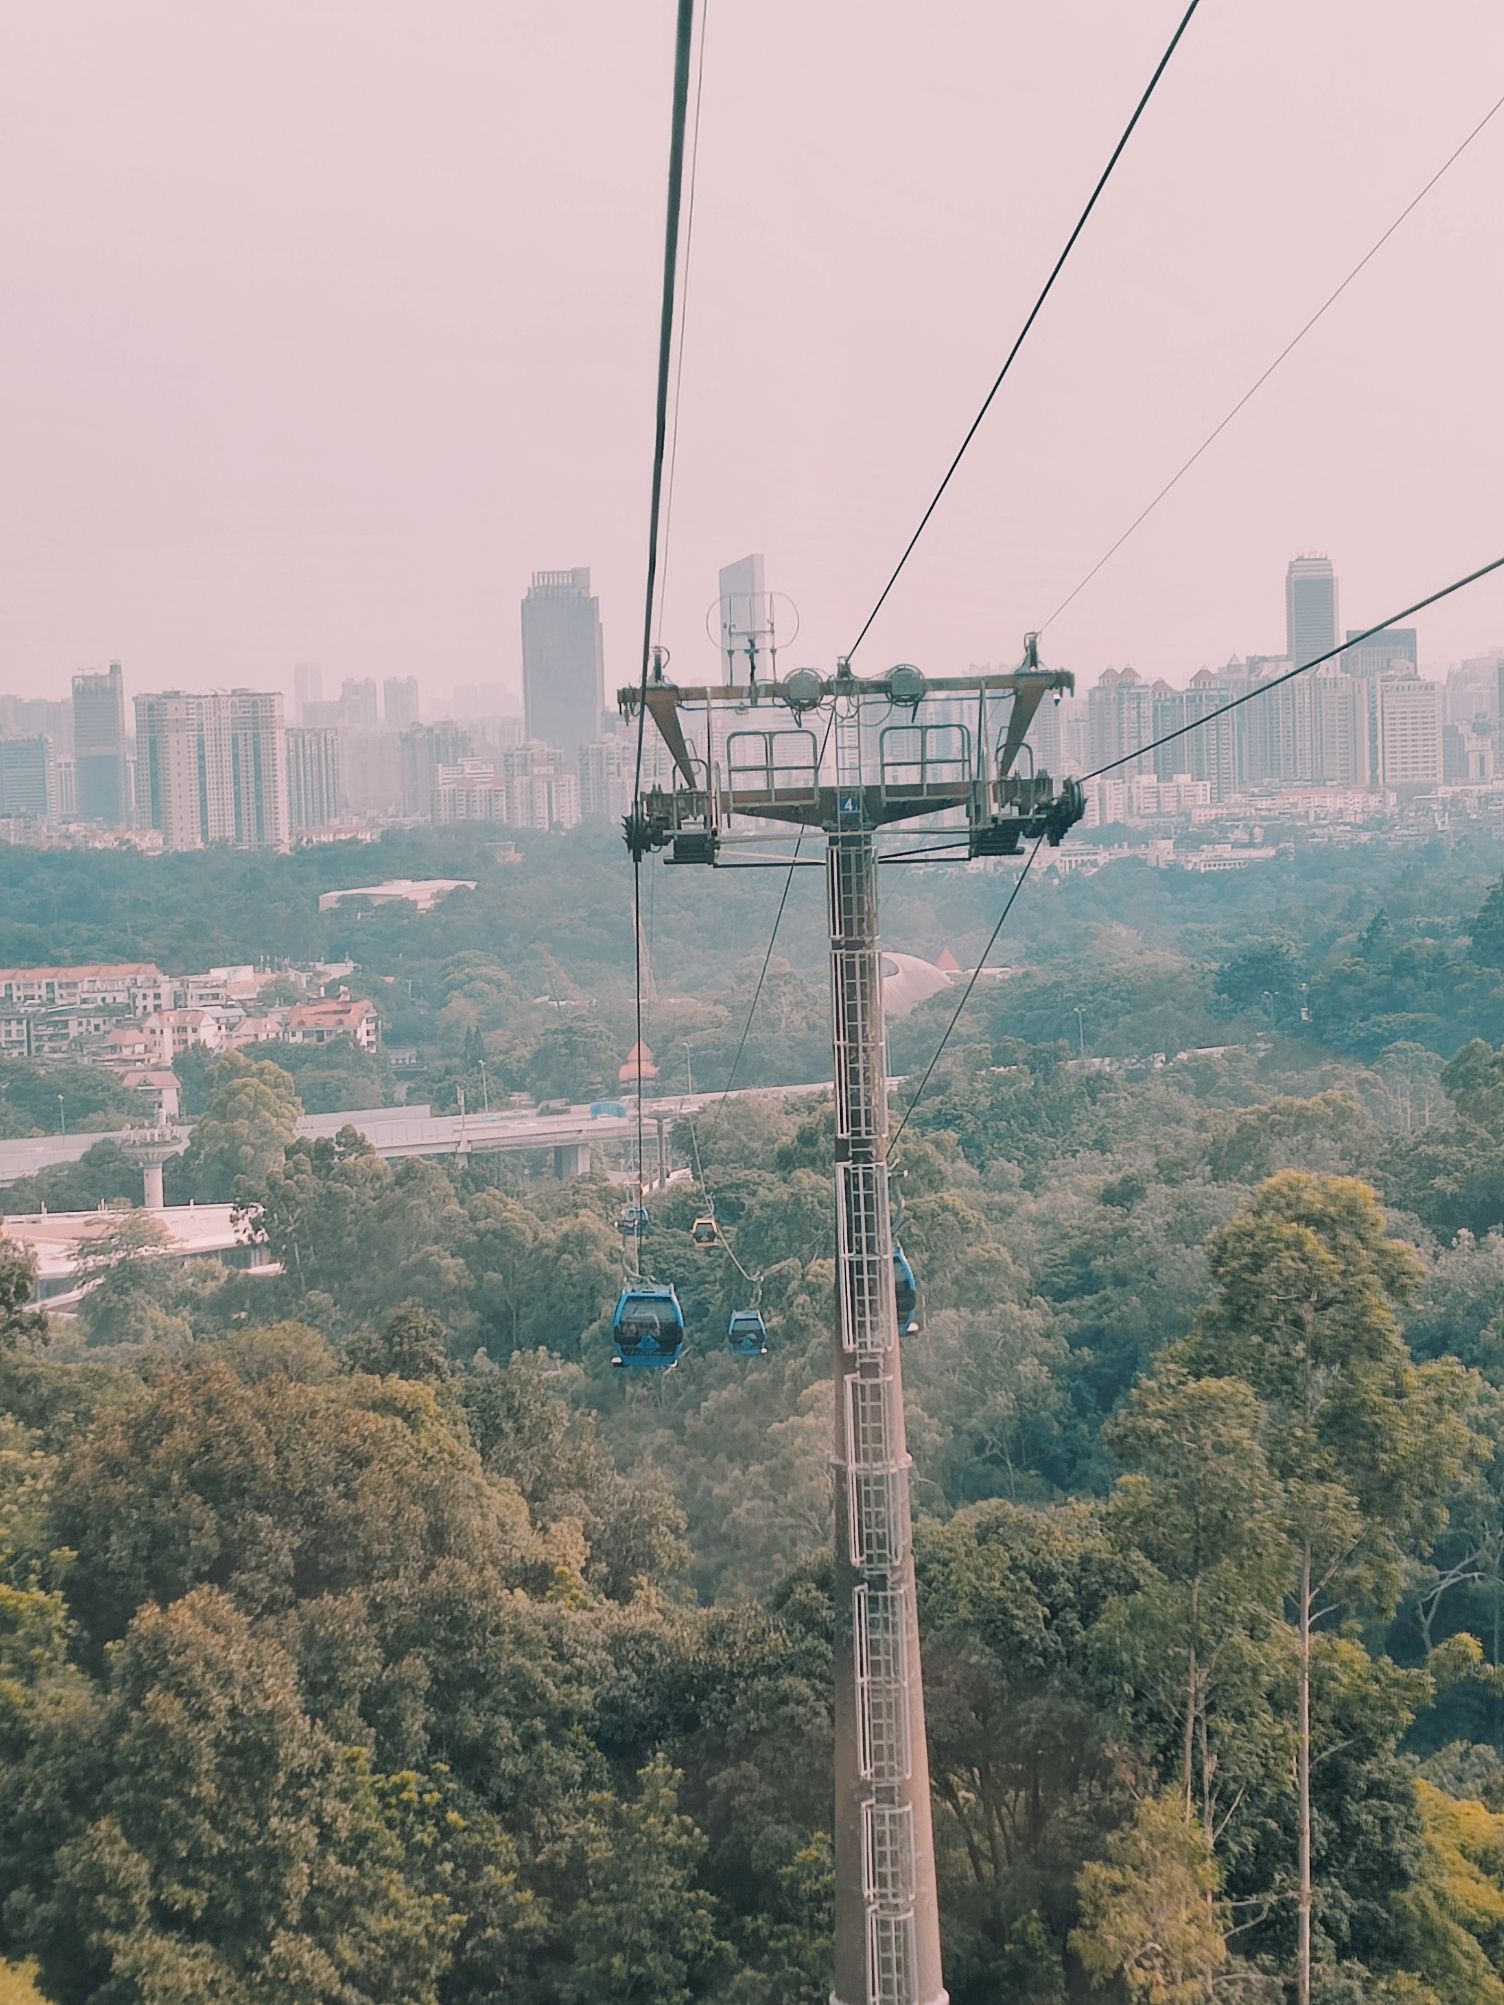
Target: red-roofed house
337,1016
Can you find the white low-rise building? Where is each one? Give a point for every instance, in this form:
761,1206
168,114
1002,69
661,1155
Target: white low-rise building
61,1242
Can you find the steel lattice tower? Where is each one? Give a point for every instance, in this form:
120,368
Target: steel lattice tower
887,1926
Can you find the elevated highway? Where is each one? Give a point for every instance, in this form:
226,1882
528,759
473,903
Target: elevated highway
395,1132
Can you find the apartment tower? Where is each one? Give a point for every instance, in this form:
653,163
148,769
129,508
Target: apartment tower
563,661
213,769
101,778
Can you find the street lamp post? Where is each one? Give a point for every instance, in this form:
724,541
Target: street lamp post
689,1066
485,1091
62,1118
1081,1029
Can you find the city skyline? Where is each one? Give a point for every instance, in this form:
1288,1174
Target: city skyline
253,458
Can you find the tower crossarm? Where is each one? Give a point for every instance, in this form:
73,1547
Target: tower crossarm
763,761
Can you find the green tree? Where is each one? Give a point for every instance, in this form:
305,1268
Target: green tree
192,1834
1019,1752
278,1489
1366,1444
1192,1644
19,1324
133,1286
1455,1909
1148,1911
94,1100
575,1059
409,1344
249,1121
1488,930
643,1932
1474,1083
1263,968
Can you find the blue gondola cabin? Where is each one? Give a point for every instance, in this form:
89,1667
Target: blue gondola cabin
647,1330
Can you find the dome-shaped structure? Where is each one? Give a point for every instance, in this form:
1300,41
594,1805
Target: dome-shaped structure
909,981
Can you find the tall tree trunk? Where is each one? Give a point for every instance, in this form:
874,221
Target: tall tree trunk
1303,1783
1187,1753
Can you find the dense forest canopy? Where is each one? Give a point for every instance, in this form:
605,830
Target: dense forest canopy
363,1637
1360,951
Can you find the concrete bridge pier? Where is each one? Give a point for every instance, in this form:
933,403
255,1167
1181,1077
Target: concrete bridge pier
571,1159
151,1147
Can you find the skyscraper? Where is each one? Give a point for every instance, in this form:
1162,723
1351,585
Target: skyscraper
563,661
357,702
1392,650
99,746
426,747
26,783
1120,718
258,769
307,687
399,701
314,791
1409,731
213,769
1310,608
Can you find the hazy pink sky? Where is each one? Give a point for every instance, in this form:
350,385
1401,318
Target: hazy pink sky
326,323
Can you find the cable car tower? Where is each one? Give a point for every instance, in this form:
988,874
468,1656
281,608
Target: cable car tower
887,1933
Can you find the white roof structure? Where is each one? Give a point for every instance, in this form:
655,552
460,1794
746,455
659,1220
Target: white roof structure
909,981
194,1231
423,892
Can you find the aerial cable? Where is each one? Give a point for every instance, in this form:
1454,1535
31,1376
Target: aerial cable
689,246
683,38
1034,311
1301,668
1002,920
1288,349
1169,737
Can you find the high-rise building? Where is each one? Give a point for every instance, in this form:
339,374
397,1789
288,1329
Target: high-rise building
36,717
99,746
26,783
1409,731
307,688
1392,650
371,764
65,785
399,701
1120,718
213,769
1209,751
357,703
1344,728
258,769
425,748
608,768
314,792
541,794
1310,608
563,661
1467,755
